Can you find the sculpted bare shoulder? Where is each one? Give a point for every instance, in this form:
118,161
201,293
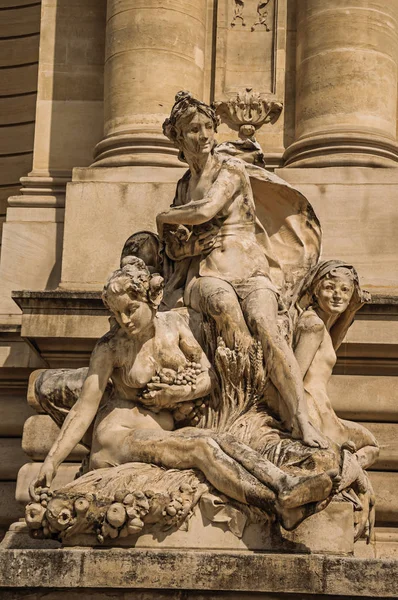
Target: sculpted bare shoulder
310,322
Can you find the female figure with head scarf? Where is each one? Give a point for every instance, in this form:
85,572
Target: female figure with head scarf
330,297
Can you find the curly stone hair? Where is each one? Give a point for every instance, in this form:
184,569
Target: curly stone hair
135,280
184,109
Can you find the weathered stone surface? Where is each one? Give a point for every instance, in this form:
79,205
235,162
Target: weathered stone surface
188,570
383,545
12,458
91,594
365,397
71,77
240,322
39,434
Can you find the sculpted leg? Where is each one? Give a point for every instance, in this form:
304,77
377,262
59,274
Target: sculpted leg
291,491
260,309
192,448
218,300
230,466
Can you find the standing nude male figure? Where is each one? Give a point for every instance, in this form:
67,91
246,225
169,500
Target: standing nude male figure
228,277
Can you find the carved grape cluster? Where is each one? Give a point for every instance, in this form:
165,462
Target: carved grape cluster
184,376
179,506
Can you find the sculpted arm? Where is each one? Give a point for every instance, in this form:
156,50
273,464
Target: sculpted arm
195,244
309,336
80,416
340,328
218,197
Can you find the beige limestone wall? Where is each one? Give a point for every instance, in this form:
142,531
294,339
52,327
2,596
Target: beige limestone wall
358,213
104,207
69,122
19,53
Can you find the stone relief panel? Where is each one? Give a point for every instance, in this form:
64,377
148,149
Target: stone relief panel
250,63
245,46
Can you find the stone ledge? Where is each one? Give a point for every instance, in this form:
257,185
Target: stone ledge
198,570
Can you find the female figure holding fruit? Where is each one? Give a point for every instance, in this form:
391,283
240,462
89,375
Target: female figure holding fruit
156,365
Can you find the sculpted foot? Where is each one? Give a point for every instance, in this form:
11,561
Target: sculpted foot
312,437
292,517
305,490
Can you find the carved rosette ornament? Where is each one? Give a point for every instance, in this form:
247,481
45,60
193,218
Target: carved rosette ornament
248,111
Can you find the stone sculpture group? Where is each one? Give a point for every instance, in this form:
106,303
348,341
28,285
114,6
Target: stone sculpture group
209,392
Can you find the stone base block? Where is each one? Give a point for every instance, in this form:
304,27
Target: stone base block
149,574
330,532
104,207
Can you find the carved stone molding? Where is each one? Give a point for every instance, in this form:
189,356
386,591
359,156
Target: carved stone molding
42,189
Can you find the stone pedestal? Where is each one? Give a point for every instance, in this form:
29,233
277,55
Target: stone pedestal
335,522
104,207
176,574
346,84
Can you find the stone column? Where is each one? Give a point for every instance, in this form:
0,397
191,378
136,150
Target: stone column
153,48
346,95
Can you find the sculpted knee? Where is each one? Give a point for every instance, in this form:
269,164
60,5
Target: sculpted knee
204,449
222,303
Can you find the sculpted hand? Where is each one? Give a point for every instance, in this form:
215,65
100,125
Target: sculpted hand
44,479
163,395
206,241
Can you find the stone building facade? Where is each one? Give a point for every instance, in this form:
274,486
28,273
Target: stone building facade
94,167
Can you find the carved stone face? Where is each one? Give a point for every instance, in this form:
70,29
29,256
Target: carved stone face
133,315
197,136
333,295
